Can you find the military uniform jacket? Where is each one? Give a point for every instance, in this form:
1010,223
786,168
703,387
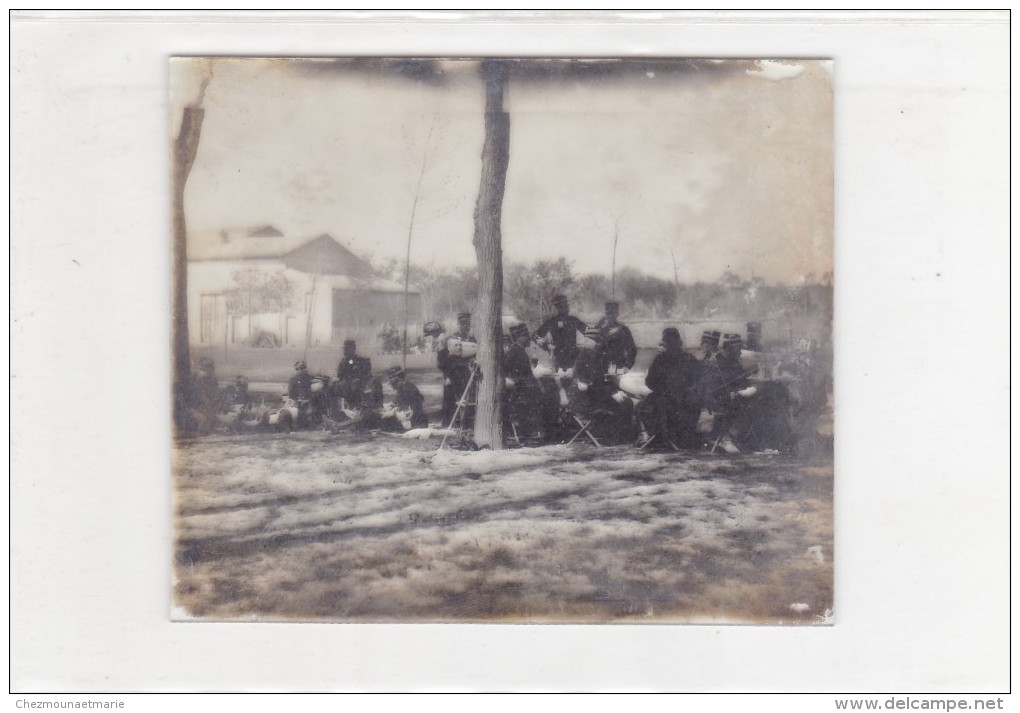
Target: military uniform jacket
620,347
563,330
732,374
517,365
722,375
591,367
408,397
674,374
300,386
357,368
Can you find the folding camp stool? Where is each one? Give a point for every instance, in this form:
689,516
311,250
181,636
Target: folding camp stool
585,428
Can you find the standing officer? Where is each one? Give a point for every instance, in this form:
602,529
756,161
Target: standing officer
560,332
455,361
621,352
524,391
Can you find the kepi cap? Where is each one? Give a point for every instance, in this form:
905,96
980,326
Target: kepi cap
730,340
710,338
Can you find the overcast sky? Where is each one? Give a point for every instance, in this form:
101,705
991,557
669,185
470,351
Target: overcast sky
718,165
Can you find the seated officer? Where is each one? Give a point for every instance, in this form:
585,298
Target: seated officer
727,388
595,395
671,411
353,376
709,345
753,415
299,388
523,392
236,398
408,408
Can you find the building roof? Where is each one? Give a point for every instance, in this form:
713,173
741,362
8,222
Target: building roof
325,256
321,255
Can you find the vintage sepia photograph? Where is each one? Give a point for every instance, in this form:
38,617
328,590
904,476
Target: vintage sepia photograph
502,340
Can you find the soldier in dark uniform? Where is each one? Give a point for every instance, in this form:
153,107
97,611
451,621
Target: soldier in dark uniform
236,397
594,394
754,415
726,389
671,411
709,345
456,369
353,376
727,361
560,333
299,388
408,400
620,348
524,394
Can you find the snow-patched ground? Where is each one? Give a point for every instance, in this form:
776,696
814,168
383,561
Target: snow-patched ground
362,527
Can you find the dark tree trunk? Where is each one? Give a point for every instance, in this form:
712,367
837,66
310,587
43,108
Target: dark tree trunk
184,152
489,253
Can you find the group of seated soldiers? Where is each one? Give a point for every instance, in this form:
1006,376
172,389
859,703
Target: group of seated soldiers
356,395
589,387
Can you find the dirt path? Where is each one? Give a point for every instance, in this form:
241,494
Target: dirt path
346,528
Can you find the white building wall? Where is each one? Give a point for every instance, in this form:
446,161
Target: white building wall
208,283
312,298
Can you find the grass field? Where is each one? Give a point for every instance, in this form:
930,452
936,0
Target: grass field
318,526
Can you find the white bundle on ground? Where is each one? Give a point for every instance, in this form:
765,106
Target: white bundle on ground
423,434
